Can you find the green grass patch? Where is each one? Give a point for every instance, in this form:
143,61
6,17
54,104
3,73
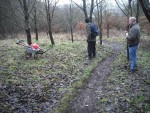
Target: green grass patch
115,39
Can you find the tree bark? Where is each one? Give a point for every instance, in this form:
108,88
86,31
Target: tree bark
35,24
50,8
99,10
91,10
101,22
50,31
71,29
108,30
138,13
84,9
145,10
27,28
36,33
2,28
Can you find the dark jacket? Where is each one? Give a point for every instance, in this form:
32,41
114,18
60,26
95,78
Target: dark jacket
133,37
89,33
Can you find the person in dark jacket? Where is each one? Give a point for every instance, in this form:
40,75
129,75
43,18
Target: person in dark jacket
133,39
91,40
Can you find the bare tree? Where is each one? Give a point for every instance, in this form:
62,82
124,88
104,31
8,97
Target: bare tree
109,20
85,9
71,21
35,18
36,14
2,29
71,15
50,6
130,8
26,12
125,8
23,8
6,26
99,16
145,4
138,12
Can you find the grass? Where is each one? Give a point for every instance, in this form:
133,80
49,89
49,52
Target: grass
115,39
124,91
75,86
54,78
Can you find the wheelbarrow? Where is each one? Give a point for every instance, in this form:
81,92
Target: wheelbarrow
33,50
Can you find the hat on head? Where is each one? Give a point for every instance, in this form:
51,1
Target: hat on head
87,20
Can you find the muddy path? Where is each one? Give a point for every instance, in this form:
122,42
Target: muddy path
87,98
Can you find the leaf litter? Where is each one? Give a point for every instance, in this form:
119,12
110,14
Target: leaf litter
37,85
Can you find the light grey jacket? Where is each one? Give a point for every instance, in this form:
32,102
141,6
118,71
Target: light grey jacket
134,35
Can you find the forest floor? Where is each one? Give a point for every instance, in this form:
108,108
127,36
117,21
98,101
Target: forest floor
64,80
87,99
39,85
112,88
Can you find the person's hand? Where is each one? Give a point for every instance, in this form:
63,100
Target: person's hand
127,34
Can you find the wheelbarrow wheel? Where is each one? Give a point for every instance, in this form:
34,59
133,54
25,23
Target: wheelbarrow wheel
41,51
28,55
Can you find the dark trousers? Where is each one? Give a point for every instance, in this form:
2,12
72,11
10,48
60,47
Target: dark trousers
91,49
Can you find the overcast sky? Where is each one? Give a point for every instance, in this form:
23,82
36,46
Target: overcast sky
62,2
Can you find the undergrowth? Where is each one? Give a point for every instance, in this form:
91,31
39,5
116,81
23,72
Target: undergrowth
126,92
46,83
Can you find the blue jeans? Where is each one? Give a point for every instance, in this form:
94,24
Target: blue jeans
133,57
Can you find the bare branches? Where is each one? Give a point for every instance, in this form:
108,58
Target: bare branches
32,6
121,8
91,10
78,5
145,10
54,7
50,6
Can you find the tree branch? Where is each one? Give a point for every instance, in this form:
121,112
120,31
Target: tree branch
121,8
78,5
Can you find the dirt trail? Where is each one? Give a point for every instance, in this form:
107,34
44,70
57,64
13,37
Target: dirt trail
88,97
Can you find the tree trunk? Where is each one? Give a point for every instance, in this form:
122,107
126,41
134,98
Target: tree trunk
91,9
84,9
51,37
107,31
101,22
145,10
49,20
2,28
99,9
28,36
71,29
35,24
130,7
50,32
36,33
138,13
27,28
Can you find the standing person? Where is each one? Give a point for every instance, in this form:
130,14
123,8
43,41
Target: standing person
133,39
91,38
